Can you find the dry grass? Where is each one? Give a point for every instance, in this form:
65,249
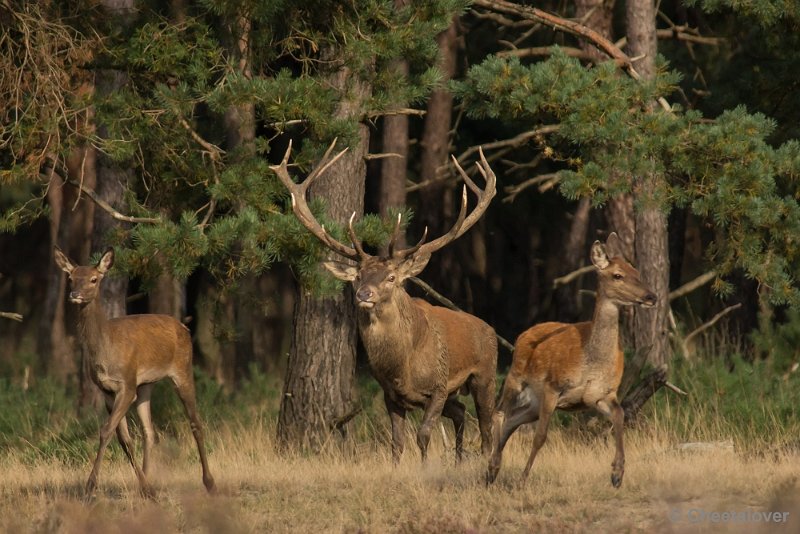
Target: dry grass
359,490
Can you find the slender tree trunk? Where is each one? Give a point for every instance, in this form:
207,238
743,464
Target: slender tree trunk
395,141
112,181
436,200
318,395
652,253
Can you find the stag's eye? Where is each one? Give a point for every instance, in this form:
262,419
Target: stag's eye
617,276
390,278
93,280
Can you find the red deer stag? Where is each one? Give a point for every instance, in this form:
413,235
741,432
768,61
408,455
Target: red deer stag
422,355
572,366
127,356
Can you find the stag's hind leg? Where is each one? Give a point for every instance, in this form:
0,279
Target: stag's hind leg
454,410
483,392
186,392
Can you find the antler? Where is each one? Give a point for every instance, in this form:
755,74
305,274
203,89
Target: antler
300,205
464,222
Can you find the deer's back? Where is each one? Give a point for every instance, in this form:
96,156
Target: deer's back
554,352
158,345
471,343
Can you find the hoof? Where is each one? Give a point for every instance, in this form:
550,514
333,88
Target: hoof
616,480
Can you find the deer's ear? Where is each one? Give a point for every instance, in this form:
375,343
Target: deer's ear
413,265
614,246
599,256
62,261
106,261
342,271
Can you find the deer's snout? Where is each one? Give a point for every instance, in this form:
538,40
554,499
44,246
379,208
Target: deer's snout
364,296
649,300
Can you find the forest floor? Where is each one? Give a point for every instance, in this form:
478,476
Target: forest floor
665,489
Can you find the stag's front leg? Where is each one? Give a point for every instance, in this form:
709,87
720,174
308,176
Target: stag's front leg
432,411
397,415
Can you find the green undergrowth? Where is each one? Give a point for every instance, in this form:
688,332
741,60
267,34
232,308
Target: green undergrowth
753,404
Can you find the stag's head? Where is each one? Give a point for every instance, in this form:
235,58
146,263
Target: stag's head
84,281
377,278
617,279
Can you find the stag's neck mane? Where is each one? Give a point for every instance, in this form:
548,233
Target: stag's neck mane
603,340
392,331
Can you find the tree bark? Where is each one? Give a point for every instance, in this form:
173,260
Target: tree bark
318,395
395,141
436,202
652,253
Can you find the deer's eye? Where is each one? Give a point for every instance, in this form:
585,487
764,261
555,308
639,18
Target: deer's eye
617,276
93,280
390,278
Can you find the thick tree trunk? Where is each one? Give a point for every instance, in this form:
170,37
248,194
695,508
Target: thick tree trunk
318,395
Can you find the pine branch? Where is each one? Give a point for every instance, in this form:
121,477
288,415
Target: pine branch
572,27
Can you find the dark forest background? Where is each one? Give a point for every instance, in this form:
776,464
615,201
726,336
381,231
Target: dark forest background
150,127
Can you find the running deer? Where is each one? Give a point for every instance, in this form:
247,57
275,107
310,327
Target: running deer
572,366
422,355
127,356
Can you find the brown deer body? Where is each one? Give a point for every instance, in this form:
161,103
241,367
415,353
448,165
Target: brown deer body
421,355
127,356
572,366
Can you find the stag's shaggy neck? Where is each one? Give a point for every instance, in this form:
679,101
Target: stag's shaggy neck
391,330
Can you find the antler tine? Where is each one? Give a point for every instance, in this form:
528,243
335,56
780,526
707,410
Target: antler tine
363,255
395,235
464,223
300,206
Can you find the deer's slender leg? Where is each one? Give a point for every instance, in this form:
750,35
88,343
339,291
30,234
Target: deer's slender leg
482,389
143,393
432,410
397,415
546,409
454,410
614,412
186,391
505,427
122,401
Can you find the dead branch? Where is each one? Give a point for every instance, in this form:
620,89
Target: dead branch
538,51
109,208
397,111
10,315
382,155
690,286
705,326
567,278
514,190
450,304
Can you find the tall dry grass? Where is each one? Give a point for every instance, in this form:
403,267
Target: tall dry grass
357,489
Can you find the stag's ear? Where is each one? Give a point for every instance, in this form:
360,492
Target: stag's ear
599,256
414,265
62,261
342,271
106,261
